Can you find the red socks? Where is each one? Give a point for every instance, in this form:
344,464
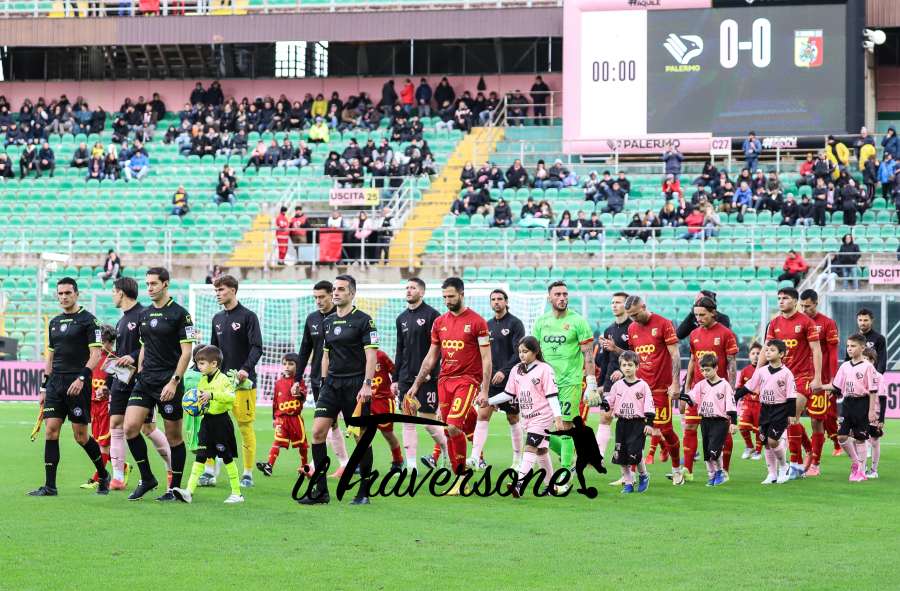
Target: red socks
654,442
726,452
747,434
818,442
273,454
671,441
456,447
796,433
690,448
395,454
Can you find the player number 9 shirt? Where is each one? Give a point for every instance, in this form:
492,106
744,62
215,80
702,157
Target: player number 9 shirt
650,341
460,339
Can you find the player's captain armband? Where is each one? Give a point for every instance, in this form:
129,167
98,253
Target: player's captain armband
484,341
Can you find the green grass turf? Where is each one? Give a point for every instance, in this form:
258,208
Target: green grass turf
739,536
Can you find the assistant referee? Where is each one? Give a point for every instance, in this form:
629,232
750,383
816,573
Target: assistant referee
73,354
348,364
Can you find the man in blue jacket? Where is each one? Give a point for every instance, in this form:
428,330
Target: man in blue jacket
423,98
751,147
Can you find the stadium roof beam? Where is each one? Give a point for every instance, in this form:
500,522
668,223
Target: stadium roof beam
165,62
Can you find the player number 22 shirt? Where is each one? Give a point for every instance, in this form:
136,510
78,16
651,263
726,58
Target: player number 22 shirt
460,339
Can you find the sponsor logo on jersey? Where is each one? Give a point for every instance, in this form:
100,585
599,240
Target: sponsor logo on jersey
451,345
791,343
289,405
645,349
555,339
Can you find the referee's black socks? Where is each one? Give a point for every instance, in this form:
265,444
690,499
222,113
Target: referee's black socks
320,460
365,471
51,461
138,448
92,449
179,455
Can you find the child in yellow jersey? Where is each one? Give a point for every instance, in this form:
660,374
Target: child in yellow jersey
216,436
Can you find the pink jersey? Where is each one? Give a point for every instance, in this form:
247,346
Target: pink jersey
774,387
880,385
855,379
715,400
630,401
532,388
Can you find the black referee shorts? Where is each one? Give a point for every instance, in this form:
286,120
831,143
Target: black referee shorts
59,405
629,441
713,430
854,419
119,394
146,395
426,396
773,420
216,438
338,395
510,407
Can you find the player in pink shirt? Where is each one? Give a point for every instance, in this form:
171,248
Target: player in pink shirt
855,381
532,385
778,400
631,401
876,431
718,415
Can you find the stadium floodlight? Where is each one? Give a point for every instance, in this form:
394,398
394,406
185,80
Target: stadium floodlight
873,37
54,257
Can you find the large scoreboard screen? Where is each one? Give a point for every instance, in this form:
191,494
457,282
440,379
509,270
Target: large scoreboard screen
651,75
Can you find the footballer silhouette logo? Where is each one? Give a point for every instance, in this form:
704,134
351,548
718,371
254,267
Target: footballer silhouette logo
683,48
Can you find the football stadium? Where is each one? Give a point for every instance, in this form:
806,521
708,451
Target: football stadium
354,293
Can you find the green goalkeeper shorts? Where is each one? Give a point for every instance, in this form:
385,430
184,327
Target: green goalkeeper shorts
569,398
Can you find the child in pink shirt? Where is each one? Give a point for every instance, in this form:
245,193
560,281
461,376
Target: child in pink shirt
718,414
631,401
778,406
532,385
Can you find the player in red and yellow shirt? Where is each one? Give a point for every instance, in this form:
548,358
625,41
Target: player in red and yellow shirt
803,359
461,339
653,338
383,403
100,400
709,337
287,416
748,422
822,405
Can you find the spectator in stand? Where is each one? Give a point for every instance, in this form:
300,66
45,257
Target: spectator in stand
671,187
709,176
890,143
444,93
502,214
28,161
282,233
652,224
634,229
683,209
336,220
198,95
540,94
112,168
516,176
138,166
489,108
81,157
820,201
63,121
46,160
516,108
751,148
556,176
615,200
581,223
870,176
895,195
592,188
806,171
423,98
112,267
594,228
790,211
886,175
461,205
224,193
846,260
742,200
408,96
624,183
724,194
668,217
95,170
864,139
805,212
180,206
838,153
388,97
565,229
711,222
545,212
462,117
6,167
694,222
530,209
673,158
362,231
794,268
318,133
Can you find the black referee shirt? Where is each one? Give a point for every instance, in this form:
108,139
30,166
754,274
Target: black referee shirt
505,336
346,340
71,337
162,330
607,361
312,343
236,332
413,341
128,340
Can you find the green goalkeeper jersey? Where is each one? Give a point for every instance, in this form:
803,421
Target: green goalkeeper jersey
561,340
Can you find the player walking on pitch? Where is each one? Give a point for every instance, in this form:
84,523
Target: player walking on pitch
72,355
348,365
653,338
311,347
506,331
459,338
413,327
567,343
167,337
236,332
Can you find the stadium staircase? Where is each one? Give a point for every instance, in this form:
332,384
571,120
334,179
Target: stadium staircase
251,250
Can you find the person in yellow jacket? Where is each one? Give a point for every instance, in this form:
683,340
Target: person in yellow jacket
216,436
839,154
318,133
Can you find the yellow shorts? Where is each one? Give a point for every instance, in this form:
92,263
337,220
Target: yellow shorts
245,406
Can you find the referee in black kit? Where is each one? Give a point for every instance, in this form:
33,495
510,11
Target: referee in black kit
348,364
167,336
73,354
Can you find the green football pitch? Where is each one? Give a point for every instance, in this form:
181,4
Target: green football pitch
822,533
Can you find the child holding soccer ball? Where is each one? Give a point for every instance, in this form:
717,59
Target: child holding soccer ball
286,415
216,435
631,402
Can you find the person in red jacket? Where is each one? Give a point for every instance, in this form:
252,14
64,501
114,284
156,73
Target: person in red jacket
694,223
794,268
282,234
408,95
671,187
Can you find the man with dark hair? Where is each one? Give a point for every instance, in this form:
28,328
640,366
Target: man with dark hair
413,329
803,359
822,406
167,335
874,340
311,347
348,364
460,341
73,352
236,332
505,331
689,324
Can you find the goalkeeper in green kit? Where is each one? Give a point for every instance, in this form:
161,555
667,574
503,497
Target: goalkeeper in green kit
566,341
